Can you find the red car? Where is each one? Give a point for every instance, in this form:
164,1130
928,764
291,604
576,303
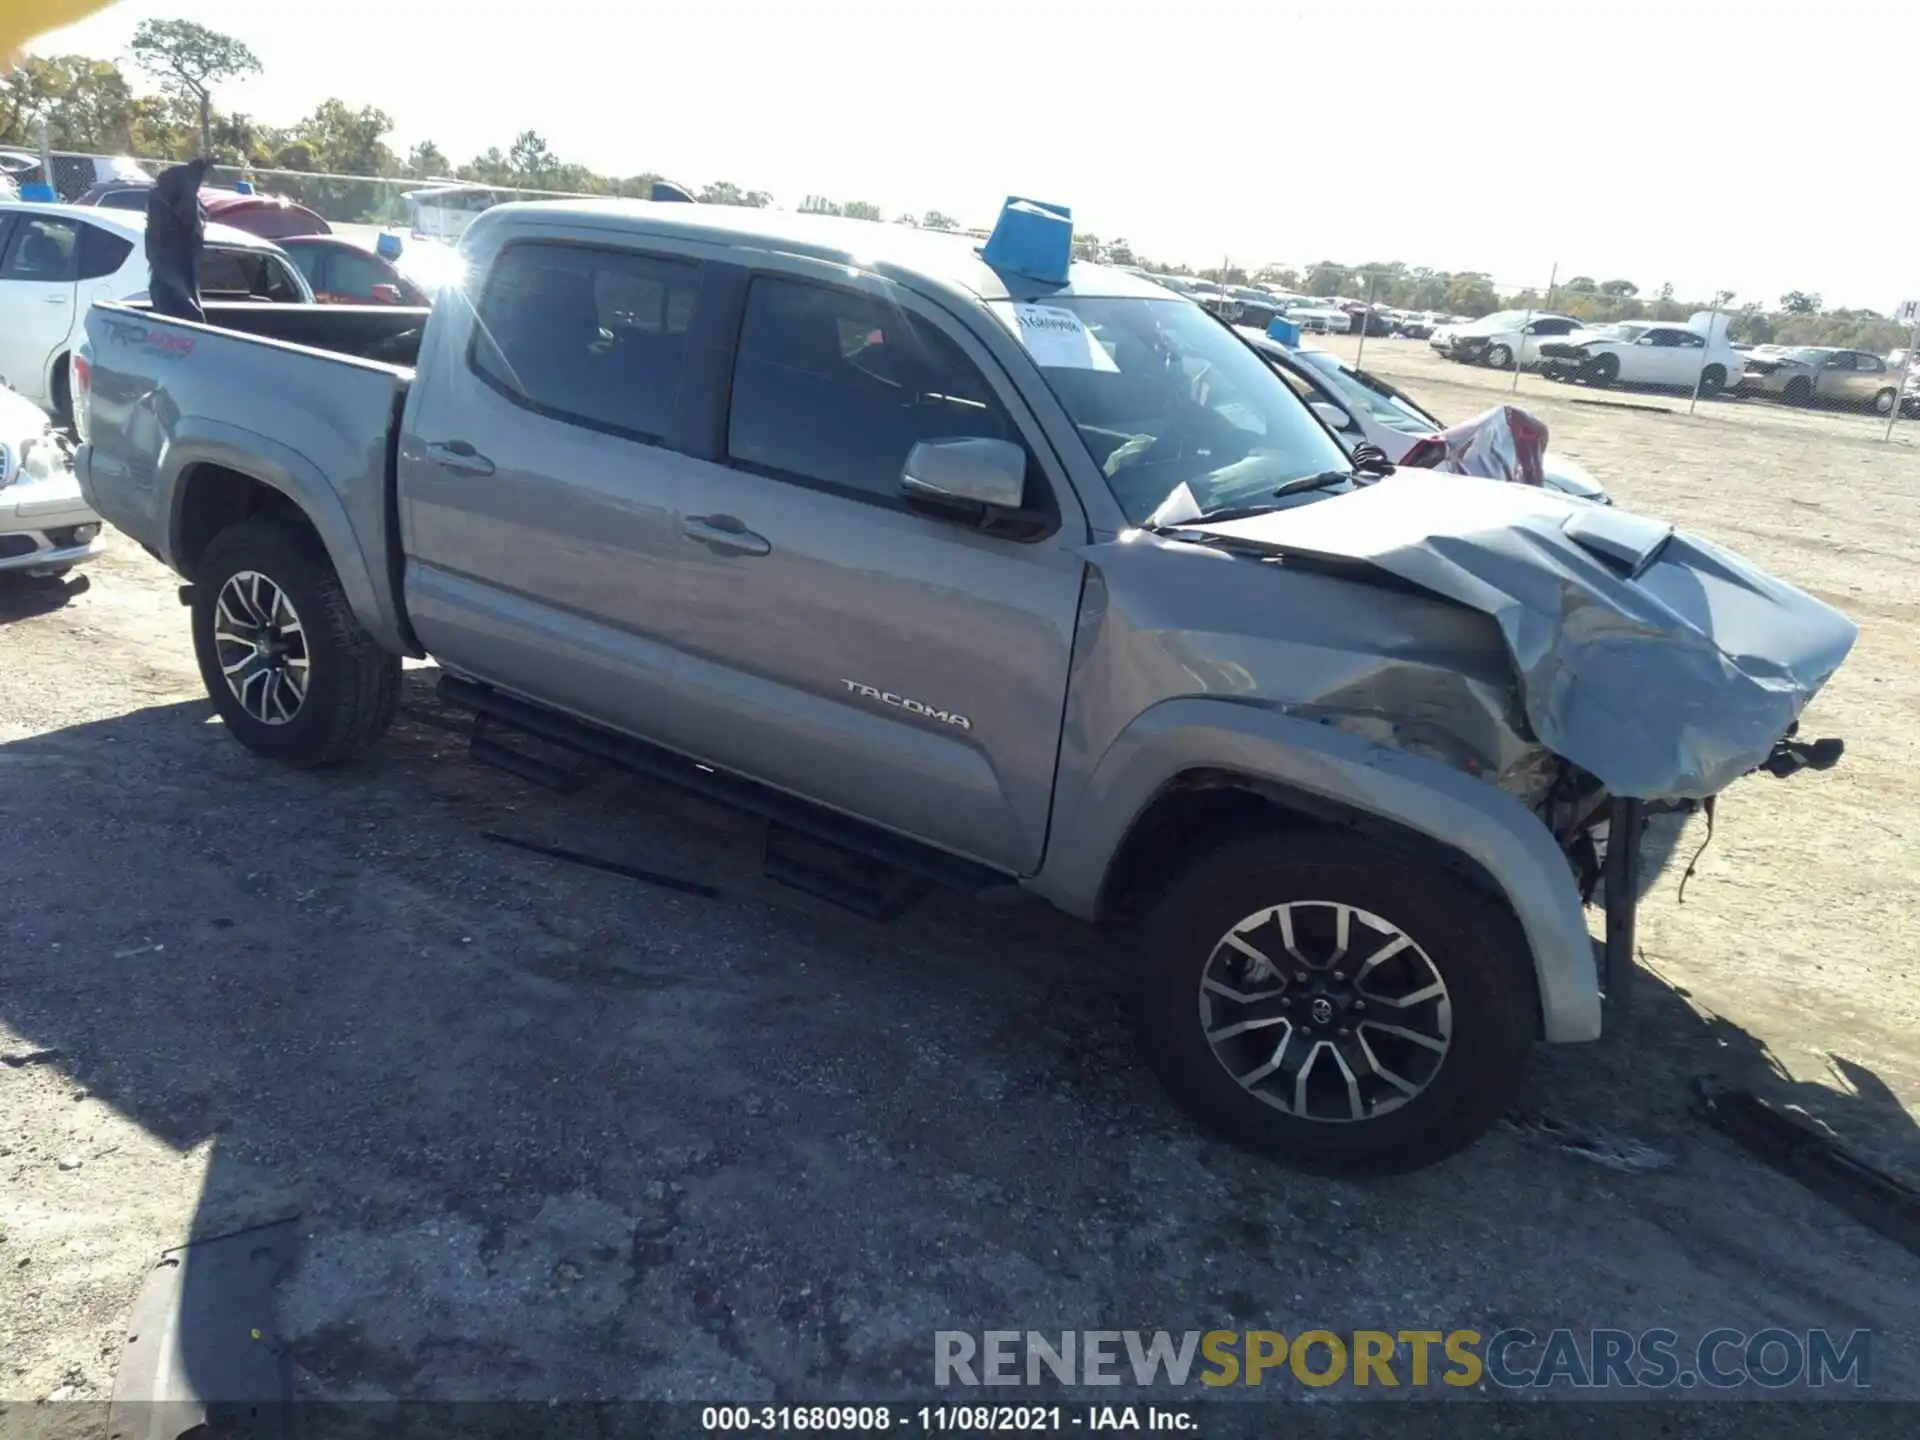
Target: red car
344,273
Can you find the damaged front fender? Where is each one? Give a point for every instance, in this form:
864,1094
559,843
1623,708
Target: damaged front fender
1653,660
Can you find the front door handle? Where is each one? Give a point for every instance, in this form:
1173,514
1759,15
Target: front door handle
56,299
723,532
457,457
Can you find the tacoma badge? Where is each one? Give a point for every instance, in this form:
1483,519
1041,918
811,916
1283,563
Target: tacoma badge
912,707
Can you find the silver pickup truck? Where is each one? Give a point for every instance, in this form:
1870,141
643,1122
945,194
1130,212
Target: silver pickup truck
966,564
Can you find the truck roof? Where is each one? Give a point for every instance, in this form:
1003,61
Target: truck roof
940,258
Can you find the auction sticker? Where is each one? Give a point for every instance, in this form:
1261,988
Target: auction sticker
1059,340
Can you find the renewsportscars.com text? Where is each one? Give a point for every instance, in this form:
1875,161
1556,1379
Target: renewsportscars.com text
1511,1359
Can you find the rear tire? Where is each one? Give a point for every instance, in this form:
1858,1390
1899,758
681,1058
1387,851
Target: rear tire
1884,402
1713,380
1485,1006
347,690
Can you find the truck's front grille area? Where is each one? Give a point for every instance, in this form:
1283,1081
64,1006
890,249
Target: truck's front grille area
13,545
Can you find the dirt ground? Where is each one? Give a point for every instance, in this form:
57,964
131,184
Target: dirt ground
551,1132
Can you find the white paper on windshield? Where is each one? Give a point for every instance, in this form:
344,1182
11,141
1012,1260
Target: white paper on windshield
1059,340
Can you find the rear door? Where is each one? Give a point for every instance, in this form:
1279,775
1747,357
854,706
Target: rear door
908,670
38,274
539,478
1869,378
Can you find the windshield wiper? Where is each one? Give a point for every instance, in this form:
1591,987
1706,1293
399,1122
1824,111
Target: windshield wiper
1324,480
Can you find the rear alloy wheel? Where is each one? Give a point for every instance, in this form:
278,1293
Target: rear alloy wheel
285,662
1336,1005
1884,402
1498,357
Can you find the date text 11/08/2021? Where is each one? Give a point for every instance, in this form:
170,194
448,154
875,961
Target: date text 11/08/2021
946,1419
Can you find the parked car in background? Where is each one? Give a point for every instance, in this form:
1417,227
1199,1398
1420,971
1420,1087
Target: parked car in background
343,272
443,213
1359,406
46,526
1821,374
57,260
73,174
271,217
1638,352
1319,317
1495,340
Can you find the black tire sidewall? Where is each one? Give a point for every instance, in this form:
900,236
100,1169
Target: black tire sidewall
1603,371
302,571
1708,384
1488,974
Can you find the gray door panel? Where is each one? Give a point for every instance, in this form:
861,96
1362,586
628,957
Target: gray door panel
906,669
854,595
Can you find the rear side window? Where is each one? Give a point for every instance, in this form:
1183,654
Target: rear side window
588,335
43,248
836,387
125,200
101,252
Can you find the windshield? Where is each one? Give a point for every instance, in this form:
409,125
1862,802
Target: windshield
1502,319
1165,396
1383,402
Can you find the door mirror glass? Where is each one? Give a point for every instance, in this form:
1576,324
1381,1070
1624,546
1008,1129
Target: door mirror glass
1332,416
969,471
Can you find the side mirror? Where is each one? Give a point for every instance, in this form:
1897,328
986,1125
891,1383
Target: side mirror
966,472
1332,416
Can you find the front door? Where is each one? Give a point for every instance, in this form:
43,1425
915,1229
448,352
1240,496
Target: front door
908,670
38,272
538,489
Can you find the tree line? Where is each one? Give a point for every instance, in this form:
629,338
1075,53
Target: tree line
90,104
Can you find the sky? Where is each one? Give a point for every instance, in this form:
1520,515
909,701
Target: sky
1751,147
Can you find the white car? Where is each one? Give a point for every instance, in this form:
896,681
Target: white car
46,528
1319,317
1357,406
1495,339
56,260
1640,352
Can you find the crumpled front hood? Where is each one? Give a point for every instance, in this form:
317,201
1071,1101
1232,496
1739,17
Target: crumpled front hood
1659,663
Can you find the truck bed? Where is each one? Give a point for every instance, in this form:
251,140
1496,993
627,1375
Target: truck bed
388,334
300,399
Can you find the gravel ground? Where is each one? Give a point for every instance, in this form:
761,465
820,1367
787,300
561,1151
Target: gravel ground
550,1132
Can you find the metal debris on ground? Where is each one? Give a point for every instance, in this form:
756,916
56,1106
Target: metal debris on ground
1615,1152
1878,1200
594,862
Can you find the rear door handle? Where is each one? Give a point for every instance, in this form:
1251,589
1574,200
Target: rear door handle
457,457
723,532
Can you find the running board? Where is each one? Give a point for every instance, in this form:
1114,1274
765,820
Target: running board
873,889
799,819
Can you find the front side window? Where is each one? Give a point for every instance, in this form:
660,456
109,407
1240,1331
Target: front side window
245,275
589,335
1166,397
44,248
354,275
836,387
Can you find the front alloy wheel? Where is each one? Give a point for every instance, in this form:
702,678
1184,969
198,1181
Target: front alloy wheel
1325,1011
1332,1001
262,648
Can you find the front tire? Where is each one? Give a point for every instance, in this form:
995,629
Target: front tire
1324,1001
1602,371
289,668
1498,357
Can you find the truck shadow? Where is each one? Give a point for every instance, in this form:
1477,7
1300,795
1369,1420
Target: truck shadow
552,1132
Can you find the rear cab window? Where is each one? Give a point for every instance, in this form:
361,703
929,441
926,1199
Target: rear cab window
585,334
